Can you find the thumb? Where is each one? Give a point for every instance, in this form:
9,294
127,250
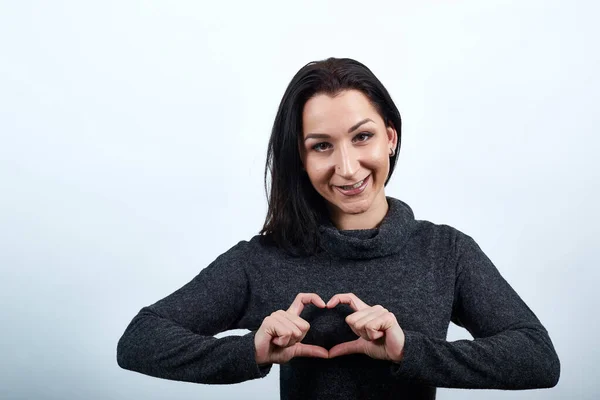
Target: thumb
353,347
309,350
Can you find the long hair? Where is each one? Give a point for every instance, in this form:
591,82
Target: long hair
295,209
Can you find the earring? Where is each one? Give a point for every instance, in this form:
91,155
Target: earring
392,152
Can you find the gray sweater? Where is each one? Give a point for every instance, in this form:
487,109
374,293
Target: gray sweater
425,274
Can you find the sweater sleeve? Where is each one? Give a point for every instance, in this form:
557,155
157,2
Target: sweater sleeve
511,349
173,338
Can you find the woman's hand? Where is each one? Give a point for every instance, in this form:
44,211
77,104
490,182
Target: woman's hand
278,338
380,336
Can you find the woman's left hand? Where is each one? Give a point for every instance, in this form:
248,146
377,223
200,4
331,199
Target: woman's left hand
380,335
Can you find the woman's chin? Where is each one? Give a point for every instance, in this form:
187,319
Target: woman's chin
353,208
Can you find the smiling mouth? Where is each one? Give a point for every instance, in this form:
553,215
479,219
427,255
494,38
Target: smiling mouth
350,187
354,186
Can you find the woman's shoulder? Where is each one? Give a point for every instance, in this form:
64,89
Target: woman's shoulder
441,234
258,247
404,216
240,257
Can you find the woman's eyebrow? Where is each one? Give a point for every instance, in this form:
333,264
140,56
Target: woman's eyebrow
326,136
357,125
316,136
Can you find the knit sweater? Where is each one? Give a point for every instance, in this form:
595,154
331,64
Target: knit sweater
426,274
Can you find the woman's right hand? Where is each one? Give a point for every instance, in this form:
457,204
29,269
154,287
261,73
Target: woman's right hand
278,338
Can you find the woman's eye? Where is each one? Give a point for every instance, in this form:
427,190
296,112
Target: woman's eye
321,146
361,137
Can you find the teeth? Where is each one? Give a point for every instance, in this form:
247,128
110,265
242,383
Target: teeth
356,185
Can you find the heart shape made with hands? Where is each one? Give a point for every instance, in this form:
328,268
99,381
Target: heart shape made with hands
370,330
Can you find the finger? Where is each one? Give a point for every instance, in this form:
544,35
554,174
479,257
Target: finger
381,324
295,333
280,336
365,326
342,349
352,323
353,318
292,320
309,350
302,324
347,298
303,299
279,333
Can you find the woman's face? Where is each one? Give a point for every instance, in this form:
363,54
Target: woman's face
345,150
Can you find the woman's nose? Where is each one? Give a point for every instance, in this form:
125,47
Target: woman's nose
346,162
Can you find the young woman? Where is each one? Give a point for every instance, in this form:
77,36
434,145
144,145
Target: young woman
343,287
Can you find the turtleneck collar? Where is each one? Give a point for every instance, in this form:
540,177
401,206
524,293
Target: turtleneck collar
389,238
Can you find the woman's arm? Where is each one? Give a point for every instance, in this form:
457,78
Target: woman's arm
511,349
173,338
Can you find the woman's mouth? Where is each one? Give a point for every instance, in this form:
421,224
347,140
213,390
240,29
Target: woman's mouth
357,188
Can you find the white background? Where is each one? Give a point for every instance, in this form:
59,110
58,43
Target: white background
134,133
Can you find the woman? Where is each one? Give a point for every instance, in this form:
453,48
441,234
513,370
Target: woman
343,287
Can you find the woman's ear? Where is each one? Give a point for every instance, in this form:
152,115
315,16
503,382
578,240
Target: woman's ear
392,137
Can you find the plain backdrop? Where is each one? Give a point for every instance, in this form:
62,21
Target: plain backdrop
133,137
